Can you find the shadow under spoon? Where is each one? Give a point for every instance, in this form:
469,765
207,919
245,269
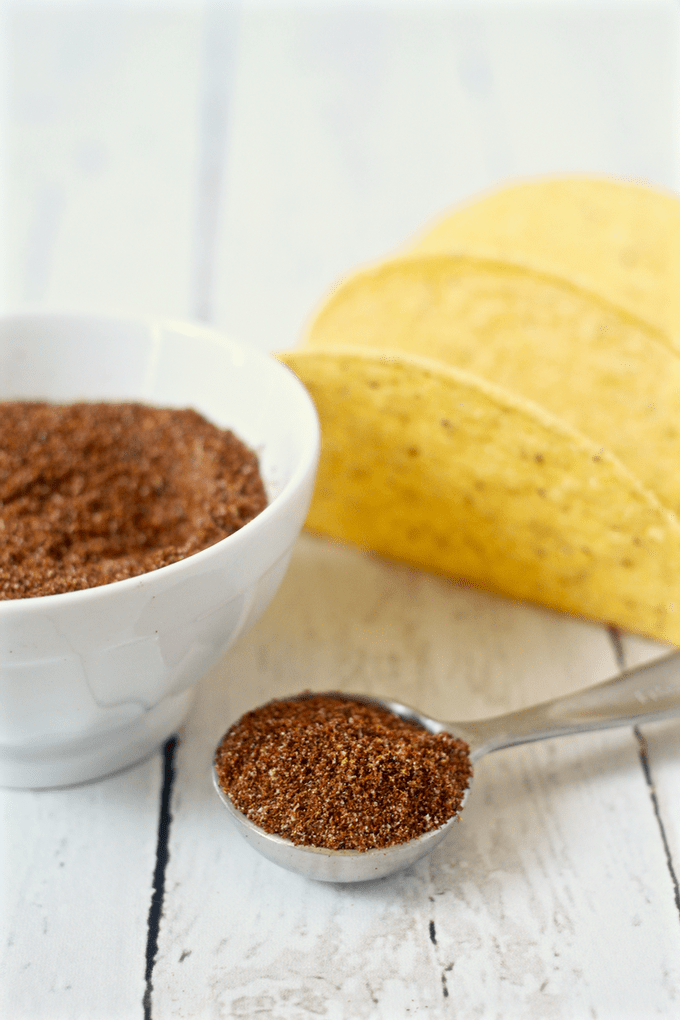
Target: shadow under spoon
647,693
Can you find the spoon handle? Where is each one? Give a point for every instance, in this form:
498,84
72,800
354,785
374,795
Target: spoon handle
648,692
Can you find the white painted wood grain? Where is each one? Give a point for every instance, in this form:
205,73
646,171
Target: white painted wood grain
101,146
553,897
76,872
663,751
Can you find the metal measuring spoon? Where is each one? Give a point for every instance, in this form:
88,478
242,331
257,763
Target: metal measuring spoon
649,692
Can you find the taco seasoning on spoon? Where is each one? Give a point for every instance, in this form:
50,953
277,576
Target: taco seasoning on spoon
327,771
97,492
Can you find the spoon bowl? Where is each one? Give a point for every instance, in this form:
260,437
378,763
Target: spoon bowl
648,693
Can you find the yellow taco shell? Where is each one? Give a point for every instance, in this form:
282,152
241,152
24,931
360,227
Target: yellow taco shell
606,373
618,237
431,465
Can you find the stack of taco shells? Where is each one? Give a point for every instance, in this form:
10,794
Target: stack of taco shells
500,401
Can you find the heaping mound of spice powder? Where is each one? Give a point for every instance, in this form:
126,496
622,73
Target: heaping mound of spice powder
327,771
96,492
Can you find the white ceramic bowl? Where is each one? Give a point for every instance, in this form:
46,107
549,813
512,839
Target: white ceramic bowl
93,680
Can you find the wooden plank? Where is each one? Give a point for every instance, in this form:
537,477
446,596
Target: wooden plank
77,867
551,899
660,751
100,154
99,136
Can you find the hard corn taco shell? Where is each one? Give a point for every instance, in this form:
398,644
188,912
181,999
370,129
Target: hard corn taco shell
616,237
430,465
604,372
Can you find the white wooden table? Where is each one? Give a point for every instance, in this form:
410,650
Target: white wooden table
229,162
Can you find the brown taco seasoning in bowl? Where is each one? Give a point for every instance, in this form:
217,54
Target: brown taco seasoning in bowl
138,542
92,493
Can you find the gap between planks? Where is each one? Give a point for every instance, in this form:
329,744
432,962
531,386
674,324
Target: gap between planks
643,755
162,855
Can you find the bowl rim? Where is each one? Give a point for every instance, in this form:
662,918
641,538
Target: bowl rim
306,462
